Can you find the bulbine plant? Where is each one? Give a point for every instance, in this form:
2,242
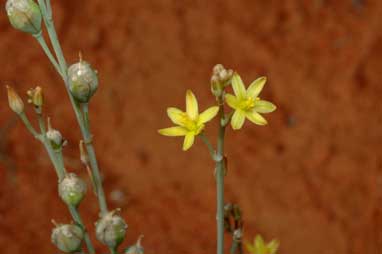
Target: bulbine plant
244,104
81,83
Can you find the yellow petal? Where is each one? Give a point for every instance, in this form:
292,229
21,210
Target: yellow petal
262,106
250,248
256,118
255,88
176,115
232,101
238,86
173,131
188,141
259,242
191,105
208,114
238,119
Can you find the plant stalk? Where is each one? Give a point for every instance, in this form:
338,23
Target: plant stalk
58,164
220,173
85,130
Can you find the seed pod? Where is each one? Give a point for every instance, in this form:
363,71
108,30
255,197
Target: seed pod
83,81
14,101
111,229
55,138
72,189
136,248
24,15
67,237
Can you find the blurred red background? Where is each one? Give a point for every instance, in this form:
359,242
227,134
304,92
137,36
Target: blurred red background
311,178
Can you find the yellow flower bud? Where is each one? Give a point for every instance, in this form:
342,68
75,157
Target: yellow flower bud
14,100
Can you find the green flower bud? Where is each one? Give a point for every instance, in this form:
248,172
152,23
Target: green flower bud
14,101
67,237
111,229
137,248
72,189
24,15
83,81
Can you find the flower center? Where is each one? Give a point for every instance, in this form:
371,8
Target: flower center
248,103
192,125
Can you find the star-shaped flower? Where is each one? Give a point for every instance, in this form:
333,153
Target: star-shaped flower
246,102
260,247
190,123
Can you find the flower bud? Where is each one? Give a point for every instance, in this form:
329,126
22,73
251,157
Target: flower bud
24,15
72,189
220,78
67,237
14,100
83,81
136,248
111,229
35,96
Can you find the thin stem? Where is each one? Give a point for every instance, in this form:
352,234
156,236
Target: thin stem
208,144
29,126
234,247
85,130
220,168
77,218
47,51
57,160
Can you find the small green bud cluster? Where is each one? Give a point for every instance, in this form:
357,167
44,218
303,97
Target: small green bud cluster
67,237
24,15
83,81
111,229
72,189
220,78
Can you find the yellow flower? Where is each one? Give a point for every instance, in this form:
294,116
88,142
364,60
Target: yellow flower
190,123
260,247
246,103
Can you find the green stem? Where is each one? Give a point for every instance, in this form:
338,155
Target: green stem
77,218
58,164
85,130
47,51
29,126
208,144
220,172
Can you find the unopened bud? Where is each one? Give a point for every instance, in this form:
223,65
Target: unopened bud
72,189
220,78
111,229
67,237
83,81
24,15
35,96
14,100
136,248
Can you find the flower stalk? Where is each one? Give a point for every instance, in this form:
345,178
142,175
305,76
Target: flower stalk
85,129
220,173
